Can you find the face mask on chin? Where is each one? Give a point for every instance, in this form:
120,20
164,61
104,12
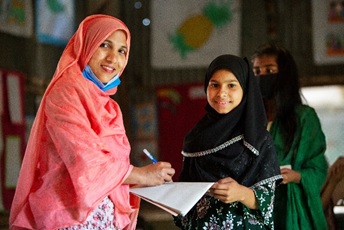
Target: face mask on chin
268,85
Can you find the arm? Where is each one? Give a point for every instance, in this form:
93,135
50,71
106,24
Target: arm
228,191
335,175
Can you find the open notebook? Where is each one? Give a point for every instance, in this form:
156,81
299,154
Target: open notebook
175,197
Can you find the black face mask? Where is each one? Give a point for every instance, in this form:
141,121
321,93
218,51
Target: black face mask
268,85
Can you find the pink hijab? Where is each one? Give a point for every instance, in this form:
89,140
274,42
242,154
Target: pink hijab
78,152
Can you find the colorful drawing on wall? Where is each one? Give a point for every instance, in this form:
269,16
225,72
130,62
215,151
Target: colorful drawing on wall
191,33
195,30
336,11
335,44
16,17
328,31
55,21
144,120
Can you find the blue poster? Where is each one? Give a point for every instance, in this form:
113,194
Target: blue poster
16,17
55,21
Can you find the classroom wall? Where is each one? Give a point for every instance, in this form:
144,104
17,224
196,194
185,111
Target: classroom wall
286,21
291,19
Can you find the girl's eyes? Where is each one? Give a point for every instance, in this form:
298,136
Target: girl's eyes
231,85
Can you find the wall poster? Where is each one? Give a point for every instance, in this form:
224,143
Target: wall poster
16,17
328,31
192,33
180,107
55,21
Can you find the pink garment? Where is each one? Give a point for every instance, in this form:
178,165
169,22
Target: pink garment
77,139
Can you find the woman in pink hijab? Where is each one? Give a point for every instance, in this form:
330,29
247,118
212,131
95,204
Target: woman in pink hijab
76,170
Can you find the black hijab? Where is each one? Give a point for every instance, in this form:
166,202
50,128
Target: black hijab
222,145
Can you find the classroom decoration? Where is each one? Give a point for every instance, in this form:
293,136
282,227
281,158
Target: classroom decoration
144,126
55,21
180,107
328,31
16,17
12,133
192,33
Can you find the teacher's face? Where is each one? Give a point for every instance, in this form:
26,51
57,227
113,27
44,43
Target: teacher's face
109,58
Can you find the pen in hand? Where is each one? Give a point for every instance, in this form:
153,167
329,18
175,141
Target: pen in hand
150,156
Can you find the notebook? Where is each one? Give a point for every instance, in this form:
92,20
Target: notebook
175,197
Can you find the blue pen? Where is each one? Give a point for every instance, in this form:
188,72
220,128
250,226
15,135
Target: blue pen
150,156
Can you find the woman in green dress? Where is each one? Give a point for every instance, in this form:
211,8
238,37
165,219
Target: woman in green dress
298,137
231,147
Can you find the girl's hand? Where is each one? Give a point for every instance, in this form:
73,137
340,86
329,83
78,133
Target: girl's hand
227,190
290,176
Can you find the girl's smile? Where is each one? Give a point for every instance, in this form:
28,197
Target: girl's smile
224,92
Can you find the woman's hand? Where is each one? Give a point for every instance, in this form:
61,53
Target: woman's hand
290,176
228,191
151,175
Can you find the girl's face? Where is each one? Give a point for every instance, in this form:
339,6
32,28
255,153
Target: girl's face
224,92
265,64
109,58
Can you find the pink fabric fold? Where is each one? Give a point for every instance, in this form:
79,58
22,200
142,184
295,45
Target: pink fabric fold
78,151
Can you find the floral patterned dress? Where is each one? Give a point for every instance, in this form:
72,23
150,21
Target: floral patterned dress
212,214
101,218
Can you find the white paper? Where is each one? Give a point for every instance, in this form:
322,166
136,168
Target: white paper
285,166
12,161
14,99
176,197
338,209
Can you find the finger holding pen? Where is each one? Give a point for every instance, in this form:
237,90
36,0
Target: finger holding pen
167,171
152,174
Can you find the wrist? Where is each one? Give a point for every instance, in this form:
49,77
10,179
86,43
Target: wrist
298,178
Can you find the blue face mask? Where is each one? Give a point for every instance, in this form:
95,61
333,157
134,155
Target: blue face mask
88,74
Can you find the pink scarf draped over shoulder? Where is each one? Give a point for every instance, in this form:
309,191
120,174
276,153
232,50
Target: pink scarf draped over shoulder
78,151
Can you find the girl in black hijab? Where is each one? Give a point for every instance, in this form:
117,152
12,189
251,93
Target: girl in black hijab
231,146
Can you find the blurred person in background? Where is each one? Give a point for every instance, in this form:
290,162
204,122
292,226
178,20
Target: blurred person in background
298,137
335,176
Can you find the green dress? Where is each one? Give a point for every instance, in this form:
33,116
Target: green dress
298,206
212,214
